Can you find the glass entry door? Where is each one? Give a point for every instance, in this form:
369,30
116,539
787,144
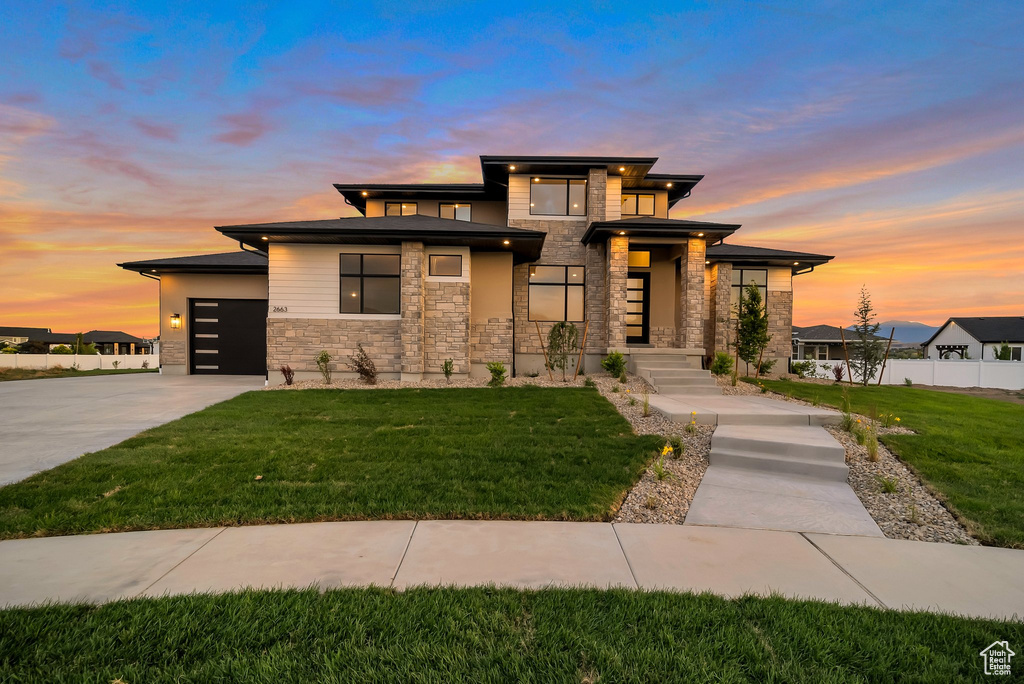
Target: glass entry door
638,307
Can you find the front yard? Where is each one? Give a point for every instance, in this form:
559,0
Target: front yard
57,372
970,450
273,457
472,635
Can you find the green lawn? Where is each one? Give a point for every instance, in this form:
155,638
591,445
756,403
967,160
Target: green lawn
525,453
40,373
969,449
488,635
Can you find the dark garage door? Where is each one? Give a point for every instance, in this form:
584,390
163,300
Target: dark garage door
227,336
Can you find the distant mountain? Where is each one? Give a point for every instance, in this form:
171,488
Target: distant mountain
906,331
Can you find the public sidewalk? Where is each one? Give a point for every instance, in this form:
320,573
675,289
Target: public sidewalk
967,580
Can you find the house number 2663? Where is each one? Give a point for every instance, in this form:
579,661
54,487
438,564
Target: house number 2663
280,309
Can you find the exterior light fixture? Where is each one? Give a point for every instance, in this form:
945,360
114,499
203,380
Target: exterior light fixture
364,193
536,180
668,185
706,263
621,169
512,168
264,238
456,206
506,242
575,206
176,321
532,204
700,234
622,232
153,271
355,294
403,206
796,263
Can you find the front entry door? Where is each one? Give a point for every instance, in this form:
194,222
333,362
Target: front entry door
638,307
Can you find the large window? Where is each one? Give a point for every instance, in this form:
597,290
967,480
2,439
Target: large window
638,205
743,277
458,212
556,293
400,208
371,283
445,265
558,197
815,352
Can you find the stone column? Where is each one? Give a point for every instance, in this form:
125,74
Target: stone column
691,332
597,195
615,286
412,311
722,324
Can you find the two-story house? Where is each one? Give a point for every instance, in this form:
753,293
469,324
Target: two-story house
475,273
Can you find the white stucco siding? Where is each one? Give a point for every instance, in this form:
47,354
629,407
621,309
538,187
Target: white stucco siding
779,279
954,334
304,279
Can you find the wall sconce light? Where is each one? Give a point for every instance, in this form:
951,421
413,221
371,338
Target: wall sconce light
175,321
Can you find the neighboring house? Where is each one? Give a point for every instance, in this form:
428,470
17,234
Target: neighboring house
977,338
15,336
106,341
822,342
476,273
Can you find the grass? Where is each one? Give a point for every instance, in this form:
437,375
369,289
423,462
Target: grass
967,448
474,635
523,453
40,373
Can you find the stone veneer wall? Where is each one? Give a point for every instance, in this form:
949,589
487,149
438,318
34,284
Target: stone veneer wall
172,353
297,341
691,328
491,340
721,326
780,327
446,325
663,338
615,284
411,329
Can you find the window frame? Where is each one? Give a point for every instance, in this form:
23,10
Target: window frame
568,187
401,208
362,277
636,202
742,285
565,285
430,266
455,207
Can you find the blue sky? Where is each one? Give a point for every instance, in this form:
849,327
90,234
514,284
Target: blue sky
890,136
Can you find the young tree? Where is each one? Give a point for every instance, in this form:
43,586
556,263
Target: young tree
753,334
867,350
561,345
1002,353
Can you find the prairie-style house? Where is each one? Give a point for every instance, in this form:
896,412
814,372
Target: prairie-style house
475,272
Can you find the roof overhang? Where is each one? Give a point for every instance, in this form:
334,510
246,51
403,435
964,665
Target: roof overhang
797,262
600,231
180,265
357,195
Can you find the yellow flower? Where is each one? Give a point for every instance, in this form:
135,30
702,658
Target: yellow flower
666,450
693,413
897,420
858,420
627,391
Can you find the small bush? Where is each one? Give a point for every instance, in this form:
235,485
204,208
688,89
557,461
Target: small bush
9,350
323,364
871,442
62,349
647,403
804,369
691,427
908,382
888,485
361,363
847,422
650,503
615,364
678,446
659,469
497,369
766,366
588,382
632,401
448,367
622,378
838,371
721,364
735,377
288,373
615,389
145,364
115,364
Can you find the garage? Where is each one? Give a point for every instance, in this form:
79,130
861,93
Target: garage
227,336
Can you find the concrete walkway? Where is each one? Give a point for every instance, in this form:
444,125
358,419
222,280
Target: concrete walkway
48,422
974,581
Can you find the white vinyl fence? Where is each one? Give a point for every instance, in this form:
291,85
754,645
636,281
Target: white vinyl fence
1007,375
82,361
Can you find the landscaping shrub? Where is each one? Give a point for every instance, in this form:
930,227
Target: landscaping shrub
145,364
659,468
589,382
361,363
908,382
62,349
838,371
615,364
448,367
115,364
562,345
647,402
288,373
766,366
323,364
888,485
9,350
721,364
497,369
622,377
804,369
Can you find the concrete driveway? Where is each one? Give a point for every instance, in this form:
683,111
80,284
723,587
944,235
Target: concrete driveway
44,423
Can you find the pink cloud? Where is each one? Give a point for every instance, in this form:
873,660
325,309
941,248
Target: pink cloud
244,128
154,130
104,72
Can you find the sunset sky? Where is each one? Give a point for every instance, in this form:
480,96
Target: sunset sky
889,135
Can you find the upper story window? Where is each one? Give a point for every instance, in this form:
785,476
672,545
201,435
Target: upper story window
558,197
371,283
400,208
638,204
743,277
556,293
445,265
458,212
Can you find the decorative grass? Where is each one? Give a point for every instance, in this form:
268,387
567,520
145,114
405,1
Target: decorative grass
519,453
488,635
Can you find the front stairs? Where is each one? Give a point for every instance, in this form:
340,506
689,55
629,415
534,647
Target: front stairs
673,371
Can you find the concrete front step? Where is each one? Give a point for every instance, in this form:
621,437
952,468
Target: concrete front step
775,463
672,373
804,442
689,390
677,405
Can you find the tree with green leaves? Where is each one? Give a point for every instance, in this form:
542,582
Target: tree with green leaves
752,337
1002,352
83,347
561,345
867,350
